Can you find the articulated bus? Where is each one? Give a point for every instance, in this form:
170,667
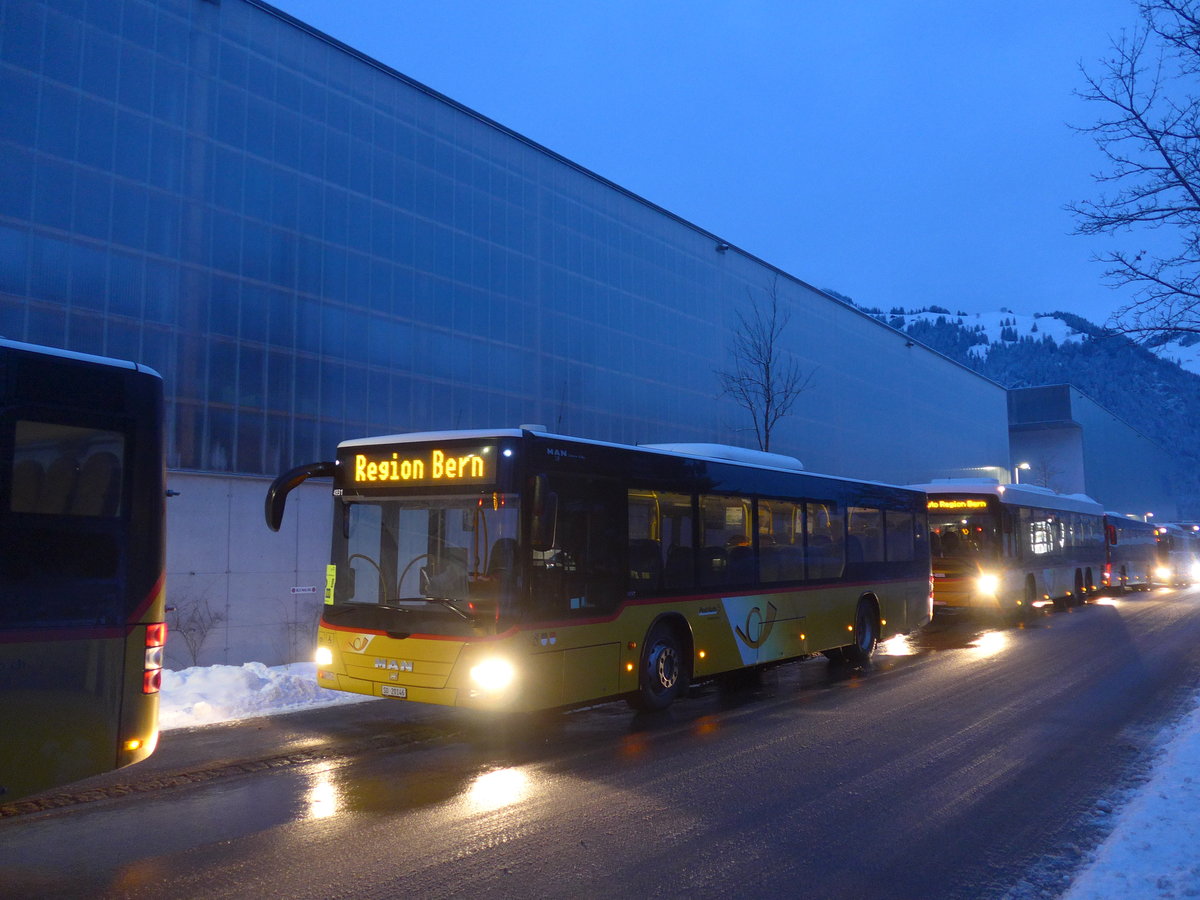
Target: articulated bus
520,570
81,582
1132,548
1178,554
1010,548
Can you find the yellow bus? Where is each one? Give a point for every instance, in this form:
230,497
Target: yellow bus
520,570
1011,548
81,583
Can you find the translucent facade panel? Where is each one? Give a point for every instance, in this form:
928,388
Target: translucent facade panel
310,247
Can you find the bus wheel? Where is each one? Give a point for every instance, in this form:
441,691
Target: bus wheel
1080,597
866,634
663,676
1023,612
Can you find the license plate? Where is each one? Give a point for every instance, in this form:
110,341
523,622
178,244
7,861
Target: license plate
390,690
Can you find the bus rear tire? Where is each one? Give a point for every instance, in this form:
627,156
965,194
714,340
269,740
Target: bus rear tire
866,634
663,673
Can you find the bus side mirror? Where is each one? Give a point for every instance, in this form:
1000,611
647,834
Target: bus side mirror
544,515
286,483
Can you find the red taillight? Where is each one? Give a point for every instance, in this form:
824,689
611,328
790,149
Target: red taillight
156,634
156,641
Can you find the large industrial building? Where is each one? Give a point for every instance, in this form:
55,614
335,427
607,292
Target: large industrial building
310,246
1064,440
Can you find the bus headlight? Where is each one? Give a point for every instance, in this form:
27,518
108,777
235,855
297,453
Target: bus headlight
493,675
324,656
987,584
1163,573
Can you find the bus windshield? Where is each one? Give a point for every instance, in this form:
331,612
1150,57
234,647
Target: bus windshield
963,535
456,553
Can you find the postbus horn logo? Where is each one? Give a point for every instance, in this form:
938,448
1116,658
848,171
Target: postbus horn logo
758,626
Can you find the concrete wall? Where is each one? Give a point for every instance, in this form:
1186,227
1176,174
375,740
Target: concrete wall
1074,445
260,591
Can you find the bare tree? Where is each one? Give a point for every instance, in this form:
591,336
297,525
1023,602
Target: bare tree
765,379
1149,132
191,620
1046,471
299,616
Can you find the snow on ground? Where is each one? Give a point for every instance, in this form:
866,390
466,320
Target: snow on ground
206,695
1154,848
1152,852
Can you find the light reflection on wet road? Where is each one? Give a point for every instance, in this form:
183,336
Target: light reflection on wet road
962,755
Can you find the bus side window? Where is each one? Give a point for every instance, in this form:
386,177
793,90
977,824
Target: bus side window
900,535
864,534
824,539
660,541
727,555
782,549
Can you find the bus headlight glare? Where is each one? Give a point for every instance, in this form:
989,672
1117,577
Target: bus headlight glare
324,656
1163,573
493,674
987,584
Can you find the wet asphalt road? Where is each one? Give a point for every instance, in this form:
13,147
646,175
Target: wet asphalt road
965,763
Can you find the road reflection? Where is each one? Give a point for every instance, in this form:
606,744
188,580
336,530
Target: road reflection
324,794
497,788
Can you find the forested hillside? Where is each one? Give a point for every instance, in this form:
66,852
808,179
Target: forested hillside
1154,395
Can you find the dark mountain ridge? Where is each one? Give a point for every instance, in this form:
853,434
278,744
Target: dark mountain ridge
1155,396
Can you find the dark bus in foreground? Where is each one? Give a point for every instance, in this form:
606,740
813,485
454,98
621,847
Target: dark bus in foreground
81,566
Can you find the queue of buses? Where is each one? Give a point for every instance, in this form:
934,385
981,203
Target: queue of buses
520,570
508,570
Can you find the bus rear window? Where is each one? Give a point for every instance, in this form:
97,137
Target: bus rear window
66,470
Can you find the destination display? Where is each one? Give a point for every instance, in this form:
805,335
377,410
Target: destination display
957,503
422,466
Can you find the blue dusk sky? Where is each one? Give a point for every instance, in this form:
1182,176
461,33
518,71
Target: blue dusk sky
902,153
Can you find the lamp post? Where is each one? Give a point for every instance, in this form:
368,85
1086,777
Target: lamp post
1017,472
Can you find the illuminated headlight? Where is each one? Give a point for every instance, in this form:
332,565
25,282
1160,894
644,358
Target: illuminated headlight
493,674
324,656
1163,573
1196,571
987,584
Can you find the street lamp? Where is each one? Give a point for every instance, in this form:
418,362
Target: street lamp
1017,472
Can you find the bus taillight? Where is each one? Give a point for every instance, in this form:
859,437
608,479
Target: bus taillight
156,641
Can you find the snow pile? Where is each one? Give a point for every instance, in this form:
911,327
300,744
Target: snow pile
209,694
1154,849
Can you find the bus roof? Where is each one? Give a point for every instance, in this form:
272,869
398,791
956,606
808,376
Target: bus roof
1016,494
720,453
81,357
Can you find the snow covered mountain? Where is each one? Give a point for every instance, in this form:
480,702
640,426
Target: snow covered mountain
1154,387
997,328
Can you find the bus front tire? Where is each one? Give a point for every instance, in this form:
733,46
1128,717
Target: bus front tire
663,675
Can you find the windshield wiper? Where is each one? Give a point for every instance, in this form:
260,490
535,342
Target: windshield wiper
447,602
